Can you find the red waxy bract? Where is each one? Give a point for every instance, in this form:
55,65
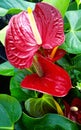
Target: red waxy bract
55,80
20,42
58,55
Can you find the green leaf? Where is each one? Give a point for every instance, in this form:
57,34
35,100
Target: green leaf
14,7
61,5
3,11
5,121
19,4
6,69
10,111
49,122
73,36
41,106
78,86
16,89
19,125
14,11
3,34
76,61
78,2
64,63
72,6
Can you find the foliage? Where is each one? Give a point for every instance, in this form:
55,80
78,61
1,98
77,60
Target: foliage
10,111
28,109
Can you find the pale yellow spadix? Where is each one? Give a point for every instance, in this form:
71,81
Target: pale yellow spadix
34,26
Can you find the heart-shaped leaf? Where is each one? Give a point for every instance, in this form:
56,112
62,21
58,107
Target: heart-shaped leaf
43,105
73,37
49,122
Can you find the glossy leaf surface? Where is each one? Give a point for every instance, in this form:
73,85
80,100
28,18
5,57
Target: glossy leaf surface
49,122
15,6
41,106
15,87
5,121
73,40
55,80
6,69
10,111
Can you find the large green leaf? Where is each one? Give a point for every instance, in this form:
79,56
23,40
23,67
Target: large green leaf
6,69
73,36
21,4
15,87
61,5
17,4
5,121
42,105
10,111
49,122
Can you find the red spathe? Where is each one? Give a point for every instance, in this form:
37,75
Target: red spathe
20,42
55,80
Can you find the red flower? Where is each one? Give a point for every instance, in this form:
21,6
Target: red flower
54,81
59,53
73,111
27,32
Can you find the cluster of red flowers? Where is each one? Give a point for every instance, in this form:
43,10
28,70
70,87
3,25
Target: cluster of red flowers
32,38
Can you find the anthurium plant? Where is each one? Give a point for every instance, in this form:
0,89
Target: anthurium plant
42,57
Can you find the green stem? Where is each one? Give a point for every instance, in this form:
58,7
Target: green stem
37,67
78,6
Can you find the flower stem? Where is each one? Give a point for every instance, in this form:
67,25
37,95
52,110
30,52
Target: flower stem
37,67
